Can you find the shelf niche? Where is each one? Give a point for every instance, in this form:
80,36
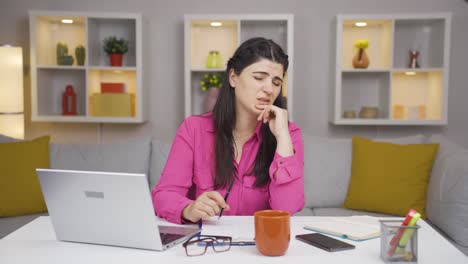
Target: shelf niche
425,36
52,84
101,28
366,89
379,35
205,38
421,89
51,30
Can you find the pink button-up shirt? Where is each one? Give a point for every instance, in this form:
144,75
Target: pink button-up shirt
189,172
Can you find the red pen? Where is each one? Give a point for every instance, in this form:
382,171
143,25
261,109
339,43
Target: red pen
399,233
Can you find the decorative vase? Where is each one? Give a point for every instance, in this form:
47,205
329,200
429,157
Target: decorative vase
349,114
214,60
210,99
115,59
80,55
66,60
361,60
69,101
369,112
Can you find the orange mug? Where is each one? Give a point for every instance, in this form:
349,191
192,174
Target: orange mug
272,232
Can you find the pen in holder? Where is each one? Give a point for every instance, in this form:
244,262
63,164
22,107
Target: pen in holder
401,250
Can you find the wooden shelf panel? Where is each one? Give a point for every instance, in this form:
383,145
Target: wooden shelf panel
206,70
86,119
60,67
387,122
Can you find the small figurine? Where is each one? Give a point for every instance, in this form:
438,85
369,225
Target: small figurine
413,59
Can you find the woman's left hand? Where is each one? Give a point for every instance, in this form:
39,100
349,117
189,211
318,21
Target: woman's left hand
277,119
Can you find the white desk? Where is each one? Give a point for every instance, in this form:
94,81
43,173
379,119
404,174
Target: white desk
36,243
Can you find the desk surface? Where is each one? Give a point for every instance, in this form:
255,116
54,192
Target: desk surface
36,243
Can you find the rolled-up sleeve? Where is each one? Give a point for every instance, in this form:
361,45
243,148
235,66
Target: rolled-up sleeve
287,177
170,196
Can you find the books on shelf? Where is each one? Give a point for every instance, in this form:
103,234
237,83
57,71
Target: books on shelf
108,87
355,228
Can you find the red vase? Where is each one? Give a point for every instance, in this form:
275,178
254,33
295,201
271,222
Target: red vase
69,101
116,59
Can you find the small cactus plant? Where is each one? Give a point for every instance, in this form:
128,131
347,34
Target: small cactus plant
80,55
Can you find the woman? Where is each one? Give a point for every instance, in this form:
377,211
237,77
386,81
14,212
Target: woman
247,141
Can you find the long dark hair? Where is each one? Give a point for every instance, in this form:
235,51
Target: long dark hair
224,113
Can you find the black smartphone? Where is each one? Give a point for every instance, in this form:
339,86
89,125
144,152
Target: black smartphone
324,242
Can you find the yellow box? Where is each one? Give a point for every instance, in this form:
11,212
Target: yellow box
112,104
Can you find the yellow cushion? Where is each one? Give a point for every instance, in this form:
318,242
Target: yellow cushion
389,178
20,192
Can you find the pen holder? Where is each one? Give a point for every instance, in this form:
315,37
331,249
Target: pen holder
398,244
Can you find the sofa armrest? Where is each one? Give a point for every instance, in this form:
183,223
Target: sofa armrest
447,198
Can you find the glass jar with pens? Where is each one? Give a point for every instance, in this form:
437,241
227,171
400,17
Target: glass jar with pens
399,240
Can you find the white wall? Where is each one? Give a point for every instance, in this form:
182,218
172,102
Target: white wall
313,68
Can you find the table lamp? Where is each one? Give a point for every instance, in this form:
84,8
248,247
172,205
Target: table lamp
11,92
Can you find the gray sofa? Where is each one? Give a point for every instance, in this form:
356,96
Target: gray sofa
326,177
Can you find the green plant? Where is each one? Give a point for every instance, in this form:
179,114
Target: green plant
80,54
211,80
114,45
361,44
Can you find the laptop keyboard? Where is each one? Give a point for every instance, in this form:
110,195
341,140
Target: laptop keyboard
167,238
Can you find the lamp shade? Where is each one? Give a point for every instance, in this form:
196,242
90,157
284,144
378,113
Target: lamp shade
11,92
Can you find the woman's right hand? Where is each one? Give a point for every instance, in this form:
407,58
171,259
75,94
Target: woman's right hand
206,205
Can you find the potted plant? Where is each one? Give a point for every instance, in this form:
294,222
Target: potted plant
361,60
115,48
211,83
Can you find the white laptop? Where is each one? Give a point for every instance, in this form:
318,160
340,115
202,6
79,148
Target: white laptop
106,208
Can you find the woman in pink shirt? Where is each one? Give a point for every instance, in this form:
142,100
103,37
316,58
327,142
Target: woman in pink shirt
246,141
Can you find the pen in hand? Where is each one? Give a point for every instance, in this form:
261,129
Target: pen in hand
226,197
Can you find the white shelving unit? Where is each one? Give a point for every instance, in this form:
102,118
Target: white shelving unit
201,37
48,80
403,95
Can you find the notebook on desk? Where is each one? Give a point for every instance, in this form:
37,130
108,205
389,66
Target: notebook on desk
356,228
106,208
